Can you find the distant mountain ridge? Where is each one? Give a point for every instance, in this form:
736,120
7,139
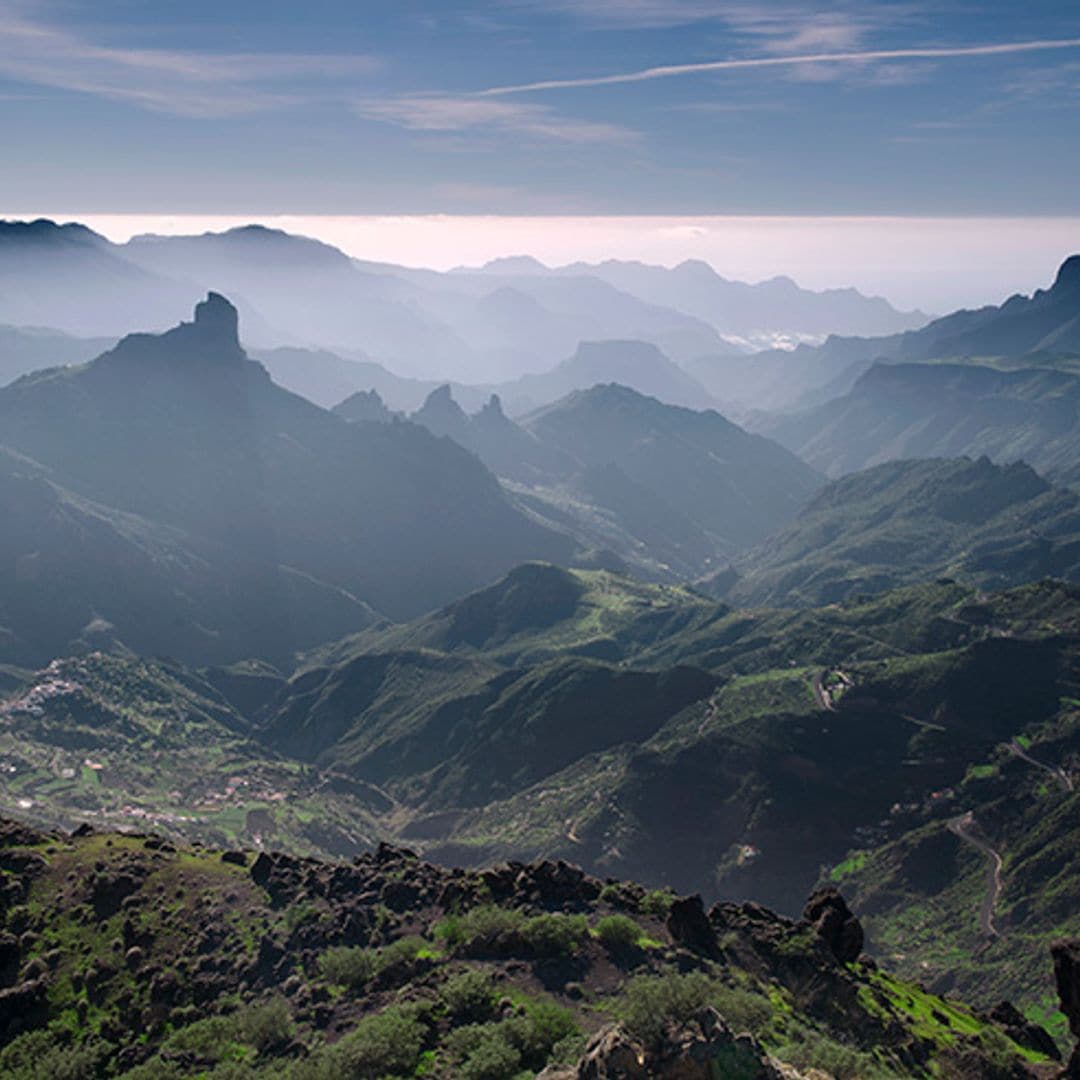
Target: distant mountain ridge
755,315
1042,326
485,326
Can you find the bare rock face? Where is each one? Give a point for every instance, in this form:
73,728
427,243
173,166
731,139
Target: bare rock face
828,913
1066,956
1021,1030
703,1049
690,927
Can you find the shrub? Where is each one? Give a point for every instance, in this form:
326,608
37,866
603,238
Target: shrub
46,1053
398,953
742,1009
658,902
265,1026
495,1051
468,997
809,1050
486,1052
550,1024
650,1002
618,932
449,930
348,965
214,1038
354,967
297,915
481,928
555,935
387,1044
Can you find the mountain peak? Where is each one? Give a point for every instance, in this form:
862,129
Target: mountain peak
212,336
216,318
44,231
514,264
1068,276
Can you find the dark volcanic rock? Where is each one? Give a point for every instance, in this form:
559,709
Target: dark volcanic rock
703,1049
828,913
1067,975
689,926
23,1007
1021,1030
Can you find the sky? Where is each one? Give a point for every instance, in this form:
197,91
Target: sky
568,110
939,107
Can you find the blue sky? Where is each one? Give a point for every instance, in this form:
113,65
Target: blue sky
418,107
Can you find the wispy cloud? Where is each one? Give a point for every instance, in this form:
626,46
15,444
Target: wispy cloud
791,27
187,83
863,56
448,113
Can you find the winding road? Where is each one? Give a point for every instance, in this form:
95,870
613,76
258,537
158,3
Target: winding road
961,827
1057,773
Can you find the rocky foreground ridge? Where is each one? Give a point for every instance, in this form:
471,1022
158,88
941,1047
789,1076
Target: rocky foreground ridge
124,955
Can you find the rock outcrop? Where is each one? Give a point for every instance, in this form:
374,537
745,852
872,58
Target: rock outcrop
828,913
703,1049
1066,956
689,926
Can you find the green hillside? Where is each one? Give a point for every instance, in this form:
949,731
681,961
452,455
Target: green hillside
908,521
131,956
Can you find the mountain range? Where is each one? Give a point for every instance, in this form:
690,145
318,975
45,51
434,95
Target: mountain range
183,429
482,326
754,316
545,620
1037,331
902,410
745,754
667,489
908,521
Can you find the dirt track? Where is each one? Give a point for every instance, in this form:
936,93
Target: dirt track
961,827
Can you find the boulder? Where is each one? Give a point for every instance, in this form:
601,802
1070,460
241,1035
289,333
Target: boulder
1066,956
703,1049
1022,1031
689,926
828,913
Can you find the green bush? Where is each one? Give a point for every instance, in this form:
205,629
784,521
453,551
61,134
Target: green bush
484,1052
354,967
265,1026
348,965
549,1025
385,1045
450,930
297,915
495,1051
468,997
482,927
398,953
610,894
658,902
555,935
46,1053
618,932
214,1038
650,1002
807,1049
742,1009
